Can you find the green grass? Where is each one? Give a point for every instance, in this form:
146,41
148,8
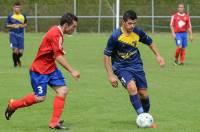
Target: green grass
93,105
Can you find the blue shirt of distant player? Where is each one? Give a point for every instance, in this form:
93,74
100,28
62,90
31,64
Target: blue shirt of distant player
123,49
14,18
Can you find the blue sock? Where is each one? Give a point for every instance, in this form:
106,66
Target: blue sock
145,104
136,104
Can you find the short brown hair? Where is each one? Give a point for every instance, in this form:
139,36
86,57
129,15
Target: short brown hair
17,3
68,18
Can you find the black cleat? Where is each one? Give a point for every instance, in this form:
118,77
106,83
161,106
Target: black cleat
9,111
59,126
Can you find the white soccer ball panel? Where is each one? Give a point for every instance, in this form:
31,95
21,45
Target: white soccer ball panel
144,120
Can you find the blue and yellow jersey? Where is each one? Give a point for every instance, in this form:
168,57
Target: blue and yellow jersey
14,18
123,49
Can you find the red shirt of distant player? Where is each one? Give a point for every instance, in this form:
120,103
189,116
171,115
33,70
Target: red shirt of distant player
180,22
50,47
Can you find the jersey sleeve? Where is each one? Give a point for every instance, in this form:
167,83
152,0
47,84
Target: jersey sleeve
8,20
144,38
110,45
57,45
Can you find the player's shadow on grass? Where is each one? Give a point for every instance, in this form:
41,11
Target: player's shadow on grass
55,130
128,123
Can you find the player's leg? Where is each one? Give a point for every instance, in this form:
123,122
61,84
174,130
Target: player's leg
141,84
15,56
13,45
58,84
20,54
21,49
39,88
144,97
178,48
127,80
134,98
183,51
58,106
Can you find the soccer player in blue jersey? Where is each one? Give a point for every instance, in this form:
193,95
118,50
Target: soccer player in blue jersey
16,22
122,58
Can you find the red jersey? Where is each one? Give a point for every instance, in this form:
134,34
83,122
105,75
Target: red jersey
180,22
50,47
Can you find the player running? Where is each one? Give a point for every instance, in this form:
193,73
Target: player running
180,24
122,58
44,71
16,22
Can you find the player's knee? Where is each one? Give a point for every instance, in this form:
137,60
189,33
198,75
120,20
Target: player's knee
63,91
15,51
40,98
132,89
143,94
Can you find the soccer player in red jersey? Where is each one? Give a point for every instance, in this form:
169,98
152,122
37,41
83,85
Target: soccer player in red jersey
43,72
180,24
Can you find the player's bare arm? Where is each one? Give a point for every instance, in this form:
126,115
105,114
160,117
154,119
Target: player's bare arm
159,58
190,34
111,77
12,26
61,60
173,33
23,25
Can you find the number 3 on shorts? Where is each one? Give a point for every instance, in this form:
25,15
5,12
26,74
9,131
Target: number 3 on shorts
40,90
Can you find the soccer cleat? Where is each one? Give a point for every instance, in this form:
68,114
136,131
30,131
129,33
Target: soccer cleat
181,64
15,65
175,63
19,64
153,125
59,126
9,111
61,122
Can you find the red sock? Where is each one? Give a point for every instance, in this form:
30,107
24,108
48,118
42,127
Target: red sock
58,106
24,102
182,56
178,51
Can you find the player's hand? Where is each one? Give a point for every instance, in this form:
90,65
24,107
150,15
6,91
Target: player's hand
160,61
75,74
113,81
21,25
174,36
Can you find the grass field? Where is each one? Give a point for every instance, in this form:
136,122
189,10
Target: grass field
93,105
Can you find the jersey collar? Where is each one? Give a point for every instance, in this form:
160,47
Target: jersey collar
180,14
60,30
124,32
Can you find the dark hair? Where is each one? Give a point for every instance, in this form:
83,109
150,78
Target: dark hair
68,18
17,3
130,14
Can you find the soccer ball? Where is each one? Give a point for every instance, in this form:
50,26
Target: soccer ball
144,120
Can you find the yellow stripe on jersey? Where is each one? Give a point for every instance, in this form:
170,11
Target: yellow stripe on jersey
126,55
18,17
131,39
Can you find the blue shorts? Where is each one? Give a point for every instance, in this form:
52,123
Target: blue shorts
181,39
39,82
125,76
17,40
